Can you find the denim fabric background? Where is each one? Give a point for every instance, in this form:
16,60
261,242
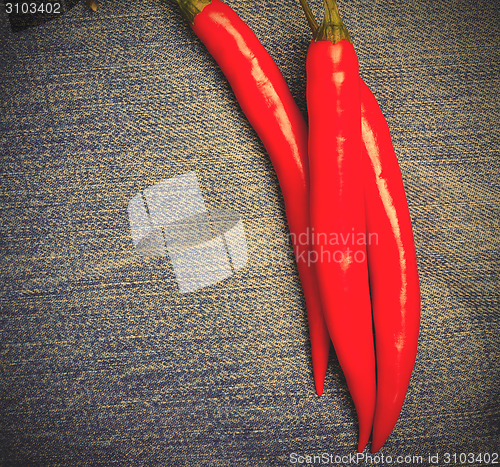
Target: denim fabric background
103,360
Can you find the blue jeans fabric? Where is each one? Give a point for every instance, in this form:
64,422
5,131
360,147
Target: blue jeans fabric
104,361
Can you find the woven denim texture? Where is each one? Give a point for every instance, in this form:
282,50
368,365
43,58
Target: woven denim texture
102,359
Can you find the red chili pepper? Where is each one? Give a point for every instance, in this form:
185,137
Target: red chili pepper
392,264
337,208
266,100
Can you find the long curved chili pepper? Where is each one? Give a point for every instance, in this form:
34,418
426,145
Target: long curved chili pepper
266,101
392,264
337,208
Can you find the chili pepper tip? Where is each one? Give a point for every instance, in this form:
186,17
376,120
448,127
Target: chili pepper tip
320,386
376,447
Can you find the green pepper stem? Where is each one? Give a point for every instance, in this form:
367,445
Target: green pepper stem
190,8
332,28
313,24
